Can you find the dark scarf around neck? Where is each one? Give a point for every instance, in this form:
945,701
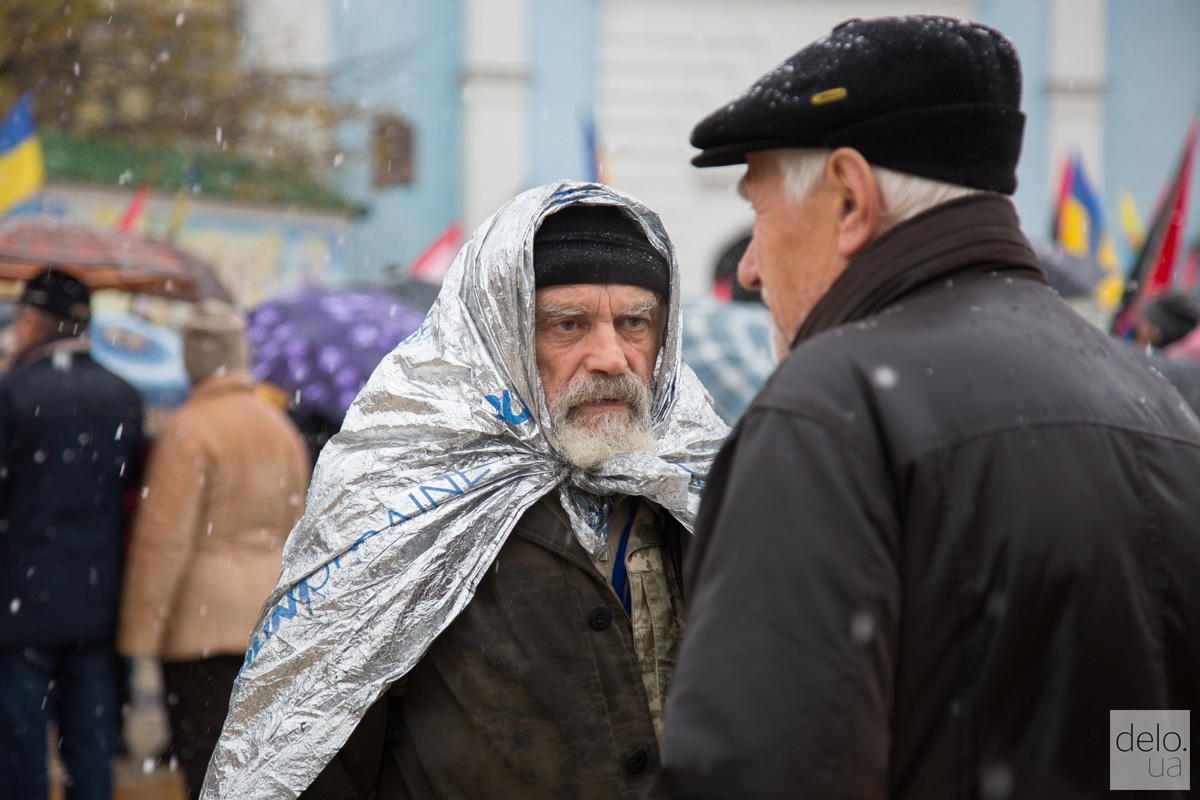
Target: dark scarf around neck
972,235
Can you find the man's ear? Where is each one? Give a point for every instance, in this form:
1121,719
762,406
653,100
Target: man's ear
858,211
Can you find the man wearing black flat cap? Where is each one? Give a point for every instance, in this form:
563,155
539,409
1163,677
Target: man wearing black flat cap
70,446
958,526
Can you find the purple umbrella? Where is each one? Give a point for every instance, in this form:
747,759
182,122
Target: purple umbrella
320,345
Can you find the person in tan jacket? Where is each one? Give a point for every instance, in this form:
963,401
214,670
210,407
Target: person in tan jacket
225,484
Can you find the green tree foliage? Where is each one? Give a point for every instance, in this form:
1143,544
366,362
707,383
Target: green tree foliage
156,72
39,47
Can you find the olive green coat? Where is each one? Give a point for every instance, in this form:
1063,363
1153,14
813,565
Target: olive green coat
534,691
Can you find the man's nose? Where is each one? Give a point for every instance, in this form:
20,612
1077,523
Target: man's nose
605,353
747,271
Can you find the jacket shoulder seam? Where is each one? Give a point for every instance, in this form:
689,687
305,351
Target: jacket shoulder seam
1054,423
818,420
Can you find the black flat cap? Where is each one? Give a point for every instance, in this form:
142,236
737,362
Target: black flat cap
58,293
930,96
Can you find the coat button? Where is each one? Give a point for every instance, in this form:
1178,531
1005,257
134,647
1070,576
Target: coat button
637,761
599,618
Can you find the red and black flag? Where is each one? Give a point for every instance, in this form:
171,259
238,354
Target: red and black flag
1154,270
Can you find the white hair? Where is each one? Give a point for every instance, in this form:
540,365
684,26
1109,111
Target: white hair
903,196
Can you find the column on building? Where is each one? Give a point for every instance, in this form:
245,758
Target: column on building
495,98
1077,83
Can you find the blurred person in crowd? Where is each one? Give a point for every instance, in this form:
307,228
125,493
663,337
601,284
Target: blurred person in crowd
1162,334
725,283
488,572
8,313
70,446
1166,319
224,485
315,429
1187,348
959,525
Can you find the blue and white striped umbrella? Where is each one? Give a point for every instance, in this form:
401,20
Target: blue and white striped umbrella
728,346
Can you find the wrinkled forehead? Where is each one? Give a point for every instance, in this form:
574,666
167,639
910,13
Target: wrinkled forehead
587,298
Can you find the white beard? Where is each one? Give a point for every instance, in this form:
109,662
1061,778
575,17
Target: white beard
586,441
585,446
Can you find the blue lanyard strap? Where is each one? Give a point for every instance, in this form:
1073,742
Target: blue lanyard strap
620,584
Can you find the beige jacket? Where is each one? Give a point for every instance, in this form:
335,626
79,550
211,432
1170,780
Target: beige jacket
225,484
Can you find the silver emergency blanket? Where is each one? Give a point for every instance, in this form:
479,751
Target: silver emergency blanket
445,448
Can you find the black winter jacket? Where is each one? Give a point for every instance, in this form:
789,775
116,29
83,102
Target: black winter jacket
70,444
957,527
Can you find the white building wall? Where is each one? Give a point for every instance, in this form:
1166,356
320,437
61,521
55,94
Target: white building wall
1077,84
290,36
290,39
495,106
668,63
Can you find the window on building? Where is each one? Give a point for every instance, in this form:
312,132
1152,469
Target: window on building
394,152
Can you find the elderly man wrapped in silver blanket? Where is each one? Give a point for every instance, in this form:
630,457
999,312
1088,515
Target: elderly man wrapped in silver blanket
483,597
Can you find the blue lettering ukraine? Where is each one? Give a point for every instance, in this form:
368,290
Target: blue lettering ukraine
300,595
504,409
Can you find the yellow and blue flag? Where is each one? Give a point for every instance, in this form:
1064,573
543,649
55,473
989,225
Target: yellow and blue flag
1131,222
21,167
1079,230
598,168
183,200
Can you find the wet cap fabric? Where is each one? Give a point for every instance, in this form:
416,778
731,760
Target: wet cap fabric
930,96
597,244
58,293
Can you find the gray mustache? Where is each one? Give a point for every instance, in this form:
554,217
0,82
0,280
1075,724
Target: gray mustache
626,388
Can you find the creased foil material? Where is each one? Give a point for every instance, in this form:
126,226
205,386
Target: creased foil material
445,448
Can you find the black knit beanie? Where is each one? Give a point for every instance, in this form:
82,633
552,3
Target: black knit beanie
597,244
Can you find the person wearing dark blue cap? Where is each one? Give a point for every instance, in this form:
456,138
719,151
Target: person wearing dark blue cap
958,527
70,447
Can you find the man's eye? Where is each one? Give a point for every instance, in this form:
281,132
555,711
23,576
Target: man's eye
637,323
566,325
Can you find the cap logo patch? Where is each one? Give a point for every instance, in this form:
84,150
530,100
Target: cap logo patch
829,96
